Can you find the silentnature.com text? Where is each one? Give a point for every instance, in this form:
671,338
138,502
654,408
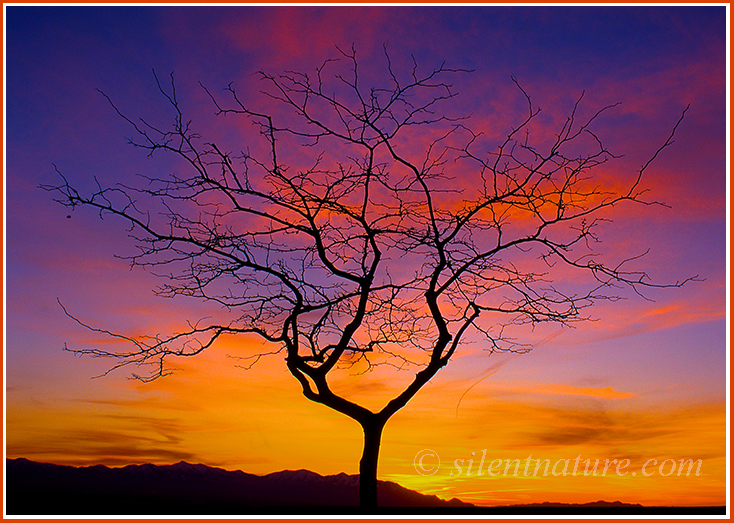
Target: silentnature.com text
427,463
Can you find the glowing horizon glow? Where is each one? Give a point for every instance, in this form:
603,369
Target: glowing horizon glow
643,380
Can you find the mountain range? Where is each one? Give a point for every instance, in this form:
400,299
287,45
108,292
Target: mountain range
186,489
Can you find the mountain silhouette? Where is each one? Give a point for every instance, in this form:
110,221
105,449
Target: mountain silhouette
185,488
194,489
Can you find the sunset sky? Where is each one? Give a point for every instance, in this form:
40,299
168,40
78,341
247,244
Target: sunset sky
646,380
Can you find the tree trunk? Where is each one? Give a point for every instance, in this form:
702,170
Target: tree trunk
368,464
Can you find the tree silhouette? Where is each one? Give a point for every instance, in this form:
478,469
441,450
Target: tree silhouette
406,233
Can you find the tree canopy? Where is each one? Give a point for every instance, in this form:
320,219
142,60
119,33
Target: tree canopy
369,226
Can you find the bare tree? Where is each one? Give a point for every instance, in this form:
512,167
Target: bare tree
390,248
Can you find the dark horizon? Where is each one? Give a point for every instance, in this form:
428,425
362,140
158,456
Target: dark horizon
215,491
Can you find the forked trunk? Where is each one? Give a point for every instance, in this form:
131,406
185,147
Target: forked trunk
368,464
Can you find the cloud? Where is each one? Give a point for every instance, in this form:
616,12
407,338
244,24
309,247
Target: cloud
287,35
609,435
551,389
107,447
568,390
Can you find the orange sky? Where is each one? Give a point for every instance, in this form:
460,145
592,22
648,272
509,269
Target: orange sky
258,421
